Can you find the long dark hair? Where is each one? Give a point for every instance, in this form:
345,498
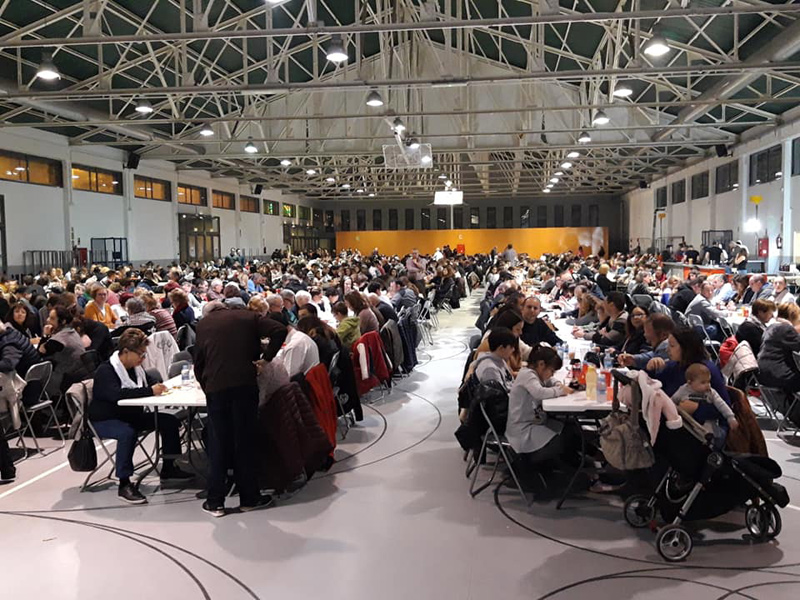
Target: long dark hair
692,349
629,328
506,318
356,301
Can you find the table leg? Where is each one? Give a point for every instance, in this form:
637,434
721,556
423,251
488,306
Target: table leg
578,470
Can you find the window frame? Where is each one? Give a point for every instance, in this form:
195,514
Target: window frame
272,208
441,218
727,177
576,209
678,191
508,217
766,165
243,200
558,215
219,199
394,219
94,180
288,210
361,219
541,216
474,217
189,192
139,180
491,217
28,159
660,198
344,219
408,224
304,213
425,219
377,224
700,187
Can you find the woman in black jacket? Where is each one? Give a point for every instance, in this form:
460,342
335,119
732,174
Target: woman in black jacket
635,342
753,328
120,378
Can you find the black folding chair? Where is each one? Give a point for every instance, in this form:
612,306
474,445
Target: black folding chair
39,376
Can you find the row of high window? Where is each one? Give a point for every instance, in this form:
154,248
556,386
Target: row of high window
439,218
765,166
44,171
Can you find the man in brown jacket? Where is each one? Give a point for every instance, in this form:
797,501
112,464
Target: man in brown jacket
227,348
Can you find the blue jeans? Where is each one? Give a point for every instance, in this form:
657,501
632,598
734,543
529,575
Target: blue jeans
127,432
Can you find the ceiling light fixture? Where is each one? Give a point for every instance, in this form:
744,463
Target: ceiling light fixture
558,173
207,131
448,183
346,186
622,90
584,138
554,180
336,51
374,99
74,176
413,143
372,194
250,147
426,159
47,69
442,176
656,46
286,162
331,179
550,186
144,107
600,118
566,165
546,190
311,172
359,191
19,168
398,125
573,154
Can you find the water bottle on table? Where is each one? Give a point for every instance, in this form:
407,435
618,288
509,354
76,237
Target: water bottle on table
186,376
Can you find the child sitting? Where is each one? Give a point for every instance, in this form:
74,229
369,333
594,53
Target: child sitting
493,365
698,389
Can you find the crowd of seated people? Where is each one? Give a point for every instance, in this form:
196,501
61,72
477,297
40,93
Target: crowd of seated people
626,308
326,302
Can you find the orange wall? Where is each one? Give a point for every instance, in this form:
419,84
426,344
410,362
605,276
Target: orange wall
532,241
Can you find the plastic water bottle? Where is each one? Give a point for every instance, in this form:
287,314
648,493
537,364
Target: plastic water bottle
608,361
591,383
186,375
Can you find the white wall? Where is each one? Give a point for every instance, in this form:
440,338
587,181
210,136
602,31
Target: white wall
48,218
730,210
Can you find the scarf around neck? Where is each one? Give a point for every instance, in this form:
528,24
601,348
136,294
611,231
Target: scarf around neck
124,376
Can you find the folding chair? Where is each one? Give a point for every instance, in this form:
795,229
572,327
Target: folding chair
176,367
40,375
696,321
775,400
727,329
347,416
81,400
504,452
182,355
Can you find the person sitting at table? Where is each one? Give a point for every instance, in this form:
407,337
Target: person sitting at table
657,329
324,337
587,311
684,295
723,290
743,293
536,330
760,287
215,290
510,319
753,327
62,346
602,280
182,313
781,293
121,378
138,315
98,309
536,439
685,348
701,306
776,366
611,333
493,365
299,352
348,328
18,318
366,318
164,320
635,340
639,285
385,309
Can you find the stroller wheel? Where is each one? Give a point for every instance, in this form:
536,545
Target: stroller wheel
763,522
638,512
674,543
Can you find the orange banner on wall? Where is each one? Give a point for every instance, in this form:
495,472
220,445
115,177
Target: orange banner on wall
535,241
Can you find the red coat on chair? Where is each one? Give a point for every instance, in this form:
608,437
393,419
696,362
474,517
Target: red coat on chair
370,368
322,401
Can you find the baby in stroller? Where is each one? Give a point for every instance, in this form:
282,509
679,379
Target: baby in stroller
697,481
697,390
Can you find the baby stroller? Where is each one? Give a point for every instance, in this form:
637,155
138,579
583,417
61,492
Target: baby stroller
703,483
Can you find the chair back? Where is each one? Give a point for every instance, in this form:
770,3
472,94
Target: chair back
680,318
695,320
176,367
186,337
657,307
183,355
643,300
40,372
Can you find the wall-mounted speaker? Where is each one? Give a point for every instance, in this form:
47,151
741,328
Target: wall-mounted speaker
722,150
258,189
133,161
643,184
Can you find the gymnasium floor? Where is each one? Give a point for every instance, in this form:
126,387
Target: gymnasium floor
392,520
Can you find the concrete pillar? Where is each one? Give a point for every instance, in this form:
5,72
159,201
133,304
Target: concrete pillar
785,255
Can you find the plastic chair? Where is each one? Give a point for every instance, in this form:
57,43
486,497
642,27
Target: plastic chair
182,355
40,374
696,321
643,300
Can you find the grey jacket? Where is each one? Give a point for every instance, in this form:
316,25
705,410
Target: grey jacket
777,345
528,429
490,367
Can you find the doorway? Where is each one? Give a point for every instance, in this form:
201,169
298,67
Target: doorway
198,238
